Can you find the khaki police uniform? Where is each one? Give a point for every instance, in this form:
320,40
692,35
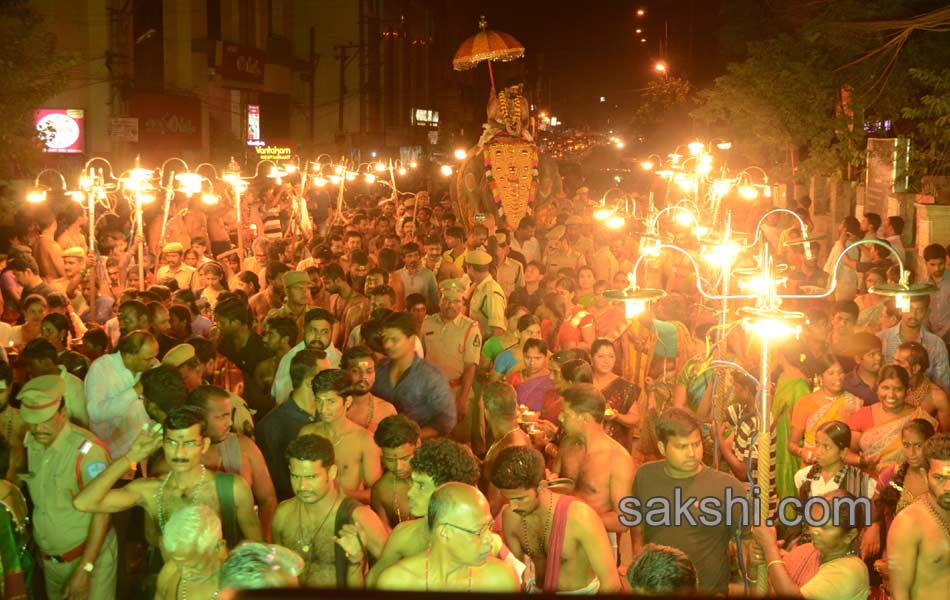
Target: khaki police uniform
488,302
556,259
57,473
450,346
183,274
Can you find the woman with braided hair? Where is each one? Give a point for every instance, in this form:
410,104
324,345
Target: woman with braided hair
832,441
900,484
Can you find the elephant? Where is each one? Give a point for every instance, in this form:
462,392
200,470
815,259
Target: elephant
515,180
505,177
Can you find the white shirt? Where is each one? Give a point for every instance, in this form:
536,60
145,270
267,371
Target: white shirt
820,487
283,386
895,241
530,249
116,412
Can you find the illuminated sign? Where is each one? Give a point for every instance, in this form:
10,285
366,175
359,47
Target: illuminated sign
253,123
61,130
274,153
425,117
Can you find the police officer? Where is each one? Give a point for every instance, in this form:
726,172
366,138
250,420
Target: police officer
488,303
78,550
559,254
174,267
453,343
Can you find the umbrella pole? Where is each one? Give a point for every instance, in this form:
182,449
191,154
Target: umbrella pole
491,76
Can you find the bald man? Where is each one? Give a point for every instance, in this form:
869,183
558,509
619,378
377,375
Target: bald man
458,557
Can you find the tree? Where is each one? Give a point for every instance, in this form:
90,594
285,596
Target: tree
803,95
31,71
931,116
662,103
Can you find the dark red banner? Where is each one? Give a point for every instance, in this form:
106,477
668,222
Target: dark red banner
167,121
242,63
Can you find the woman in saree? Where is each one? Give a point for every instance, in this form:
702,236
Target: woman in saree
828,403
510,362
790,387
577,328
622,415
871,305
16,560
876,429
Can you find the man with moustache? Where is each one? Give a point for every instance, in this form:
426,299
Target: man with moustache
113,393
183,440
350,307
563,540
918,542
366,410
78,550
459,553
232,452
357,456
415,278
453,343
335,535
317,335
435,261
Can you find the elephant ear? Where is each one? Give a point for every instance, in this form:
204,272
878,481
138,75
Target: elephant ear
470,189
549,184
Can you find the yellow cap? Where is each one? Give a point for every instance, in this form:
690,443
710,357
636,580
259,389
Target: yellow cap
74,252
478,257
452,288
293,278
40,398
172,247
179,355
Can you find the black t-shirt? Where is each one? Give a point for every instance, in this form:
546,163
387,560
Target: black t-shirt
706,545
247,358
274,433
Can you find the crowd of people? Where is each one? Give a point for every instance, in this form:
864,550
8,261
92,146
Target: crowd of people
387,398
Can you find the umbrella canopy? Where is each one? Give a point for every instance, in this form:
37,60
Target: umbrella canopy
486,45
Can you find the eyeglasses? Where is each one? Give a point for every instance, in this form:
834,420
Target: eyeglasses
486,529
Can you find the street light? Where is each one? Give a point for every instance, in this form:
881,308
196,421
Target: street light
660,67
641,12
460,154
446,170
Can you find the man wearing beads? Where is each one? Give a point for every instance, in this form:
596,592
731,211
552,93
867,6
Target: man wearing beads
398,439
918,543
562,540
184,441
435,462
356,454
458,557
334,534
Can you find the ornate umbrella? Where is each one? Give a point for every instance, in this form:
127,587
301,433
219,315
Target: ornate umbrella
486,45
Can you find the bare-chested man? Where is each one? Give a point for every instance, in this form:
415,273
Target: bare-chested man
232,452
458,556
195,548
601,469
365,409
398,437
313,522
501,414
561,538
187,483
436,462
918,543
923,391
357,456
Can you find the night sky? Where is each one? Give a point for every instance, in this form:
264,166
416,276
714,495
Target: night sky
579,51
